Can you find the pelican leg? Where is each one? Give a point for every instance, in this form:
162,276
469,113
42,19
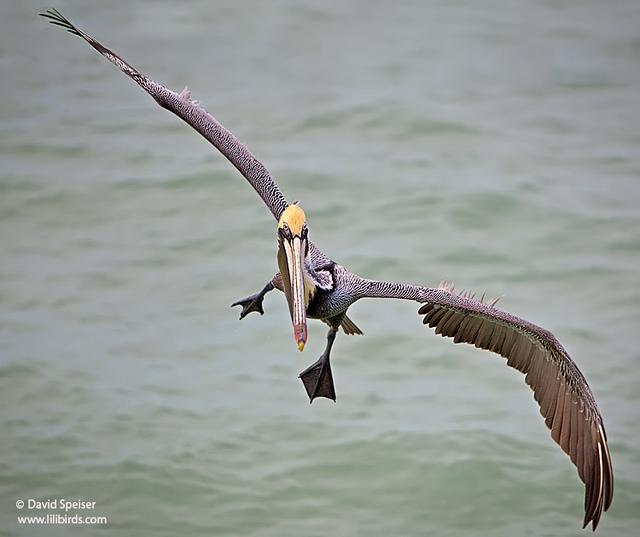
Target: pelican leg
317,378
253,302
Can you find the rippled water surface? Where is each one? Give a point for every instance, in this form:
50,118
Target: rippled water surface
494,144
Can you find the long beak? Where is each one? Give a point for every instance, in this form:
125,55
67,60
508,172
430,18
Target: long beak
291,266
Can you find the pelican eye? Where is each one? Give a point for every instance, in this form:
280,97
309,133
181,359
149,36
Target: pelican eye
285,232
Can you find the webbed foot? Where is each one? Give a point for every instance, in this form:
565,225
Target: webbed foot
249,304
253,302
318,380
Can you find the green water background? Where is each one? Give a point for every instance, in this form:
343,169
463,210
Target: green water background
494,144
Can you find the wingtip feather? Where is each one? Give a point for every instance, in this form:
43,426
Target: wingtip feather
57,19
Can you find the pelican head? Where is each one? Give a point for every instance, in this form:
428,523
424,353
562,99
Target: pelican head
292,249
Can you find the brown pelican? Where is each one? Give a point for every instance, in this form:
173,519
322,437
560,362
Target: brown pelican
317,287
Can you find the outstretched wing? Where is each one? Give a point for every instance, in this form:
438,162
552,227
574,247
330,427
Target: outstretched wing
565,399
196,116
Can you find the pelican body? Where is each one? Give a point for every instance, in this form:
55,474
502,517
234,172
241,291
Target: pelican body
318,288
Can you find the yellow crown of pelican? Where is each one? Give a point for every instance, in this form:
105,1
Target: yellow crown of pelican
294,217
